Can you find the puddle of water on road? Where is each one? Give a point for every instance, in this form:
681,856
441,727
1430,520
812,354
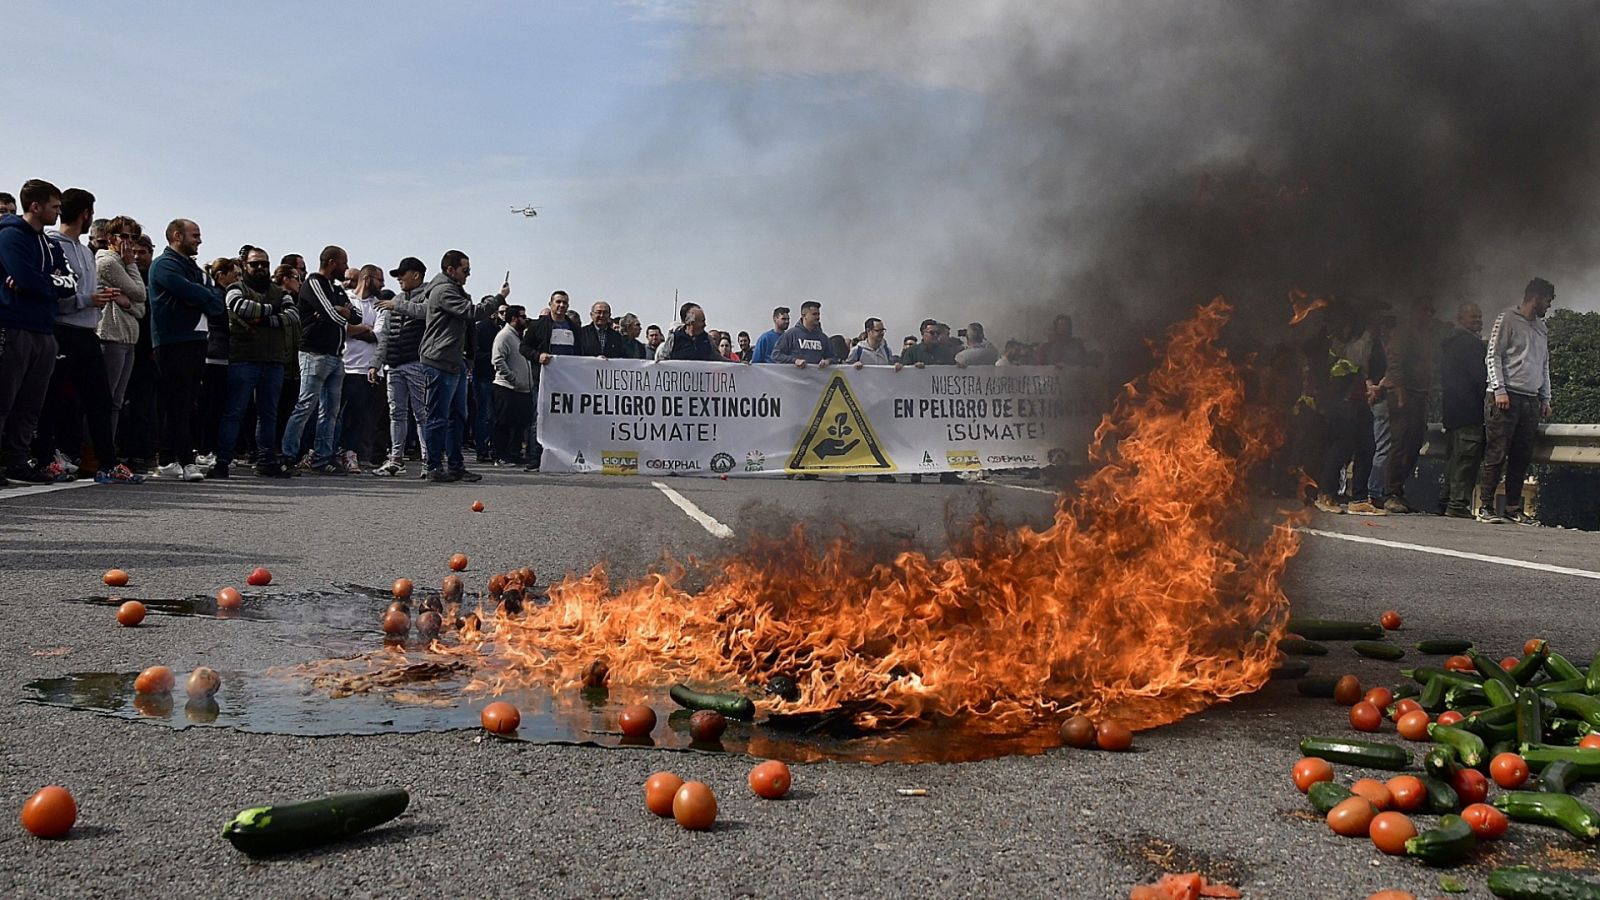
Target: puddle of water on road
347,620
273,703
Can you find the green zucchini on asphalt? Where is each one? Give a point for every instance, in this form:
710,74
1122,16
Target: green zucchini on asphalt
1296,647
1565,686
733,706
1593,678
1498,694
1526,883
1441,761
1491,671
1444,646
1335,630
1458,696
1559,668
1578,706
1378,650
1371,754
1469,747
1565,811
1530,665
1432,698
1425,674
264,830
1325,795
1449,843
1540,755
1530,718
1566,731
1558,777
1317,686
1291,669
1442,798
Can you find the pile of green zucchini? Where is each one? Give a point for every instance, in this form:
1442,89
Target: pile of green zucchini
1540,709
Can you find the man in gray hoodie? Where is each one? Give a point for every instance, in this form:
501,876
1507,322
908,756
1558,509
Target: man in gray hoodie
1518,397
805,343
450,312
513,388
81,363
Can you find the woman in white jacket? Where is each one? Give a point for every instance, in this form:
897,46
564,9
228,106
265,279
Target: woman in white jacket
119,324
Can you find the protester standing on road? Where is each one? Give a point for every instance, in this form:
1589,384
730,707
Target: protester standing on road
979,351
805,343
80,361
1412,363
555,333
450,313
258,317
689,341
762,351
358,399
598,338
325,315
872,350
630,331
400,324
931,351
119,323
513,389
34,278
181,298
1518,395
1464,380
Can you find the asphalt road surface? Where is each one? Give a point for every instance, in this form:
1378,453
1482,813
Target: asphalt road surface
490,818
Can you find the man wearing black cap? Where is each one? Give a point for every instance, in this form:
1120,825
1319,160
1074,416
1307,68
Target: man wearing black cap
399,330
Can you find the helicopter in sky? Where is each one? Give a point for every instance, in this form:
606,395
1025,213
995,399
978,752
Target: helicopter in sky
527,211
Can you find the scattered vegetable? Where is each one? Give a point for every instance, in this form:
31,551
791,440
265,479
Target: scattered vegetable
659,790
1448,843
229,598
1352,817
1113,736
115,578
1525,883
1078,732
1372,754
1365,717
707,725
130,613
1487,822
1347,691
1407,792
458,562
1390,621
203,683
638,720
770,780
1374,790
1378,650
154,680
402,588
501,717
1508,770
694,806
477,506
259,577
1413,726
265,830
1558,810
1390,831
1311,770
50,812
733,706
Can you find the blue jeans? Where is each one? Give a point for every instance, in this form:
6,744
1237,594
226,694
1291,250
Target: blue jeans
446,397
1382,440
264,381
321,383
483,422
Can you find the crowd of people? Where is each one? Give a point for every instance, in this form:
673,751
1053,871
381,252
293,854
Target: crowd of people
1375,381
125,363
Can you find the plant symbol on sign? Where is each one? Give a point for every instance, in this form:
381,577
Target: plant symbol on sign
833,444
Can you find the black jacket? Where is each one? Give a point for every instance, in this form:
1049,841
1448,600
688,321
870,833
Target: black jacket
321,324
609,343
536,339
1464,377
696,346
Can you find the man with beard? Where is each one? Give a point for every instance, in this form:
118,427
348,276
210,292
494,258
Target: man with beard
180,300
550,335
451,313
1518,396
513,389
34,280
805,343
325,315
762,351
598,338
259,314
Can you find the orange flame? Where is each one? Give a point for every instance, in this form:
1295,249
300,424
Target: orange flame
1152,595
1303,307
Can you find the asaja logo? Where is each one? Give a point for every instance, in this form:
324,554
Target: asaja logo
927,460
619,462
721,463
962,459
755,461
579,462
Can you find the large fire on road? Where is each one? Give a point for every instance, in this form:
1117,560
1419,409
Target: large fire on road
1154,593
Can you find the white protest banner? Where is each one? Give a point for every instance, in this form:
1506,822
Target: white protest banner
637,417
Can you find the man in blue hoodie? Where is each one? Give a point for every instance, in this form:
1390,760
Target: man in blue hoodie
33,279
180,299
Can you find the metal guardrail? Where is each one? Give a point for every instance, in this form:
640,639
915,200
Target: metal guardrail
1572,445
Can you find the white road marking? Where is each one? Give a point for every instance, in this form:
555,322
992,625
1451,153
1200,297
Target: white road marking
1458,554
9,493
716,528
1020,487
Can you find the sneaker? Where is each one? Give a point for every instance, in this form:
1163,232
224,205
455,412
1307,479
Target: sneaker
273,470
220,470
1488,517
468,477
332,468
1396,505
193,472
438,477
1518,517
206,460
55,472
1457,514
1366,508
389,469
305,461
531,467
170,470
29,476
117,475
424,474
67,465
1326,504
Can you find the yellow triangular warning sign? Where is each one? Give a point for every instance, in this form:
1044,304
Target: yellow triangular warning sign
839,438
